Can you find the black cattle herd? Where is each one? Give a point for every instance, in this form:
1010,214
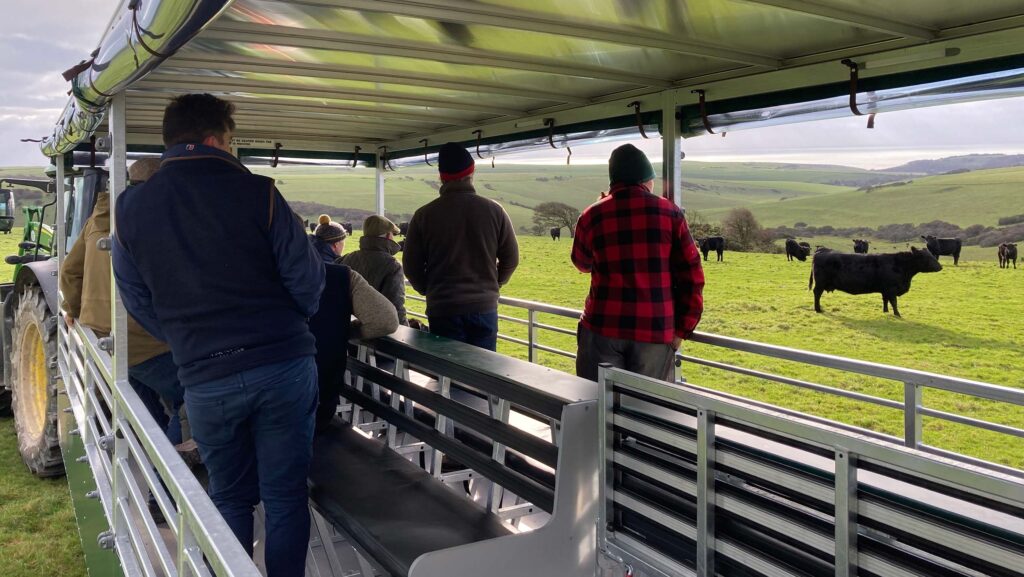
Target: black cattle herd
862,273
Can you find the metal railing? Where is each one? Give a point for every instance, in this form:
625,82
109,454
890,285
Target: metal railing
131,459
914,382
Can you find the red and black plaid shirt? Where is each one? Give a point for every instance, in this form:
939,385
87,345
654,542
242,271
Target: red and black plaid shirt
646,278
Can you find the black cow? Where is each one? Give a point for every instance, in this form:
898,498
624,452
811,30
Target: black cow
403,228
347,226
857,274
860,246
944,246
556,233
796,250
312,227
820,249
712,243
1007,254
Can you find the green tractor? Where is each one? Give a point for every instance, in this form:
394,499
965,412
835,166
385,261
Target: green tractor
28,329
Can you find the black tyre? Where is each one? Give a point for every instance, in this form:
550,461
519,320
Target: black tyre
34,384
5,402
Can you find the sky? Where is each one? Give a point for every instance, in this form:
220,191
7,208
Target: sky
35,47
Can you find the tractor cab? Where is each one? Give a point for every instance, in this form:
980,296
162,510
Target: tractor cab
7,210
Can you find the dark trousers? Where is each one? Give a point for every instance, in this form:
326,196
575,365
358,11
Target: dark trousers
255,434
159,375
651,359
479,329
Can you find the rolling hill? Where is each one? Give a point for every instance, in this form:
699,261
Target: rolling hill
979,197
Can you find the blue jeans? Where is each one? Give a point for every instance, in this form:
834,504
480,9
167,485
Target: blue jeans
160,375
478,329
255,435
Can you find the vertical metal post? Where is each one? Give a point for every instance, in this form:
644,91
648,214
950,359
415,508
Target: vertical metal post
911,415
500,410
605,451
61,220
705,493
119,317
671,150
531,335
441,425
846,513
379,189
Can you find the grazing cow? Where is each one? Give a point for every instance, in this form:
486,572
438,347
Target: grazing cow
347,226
944,246
857,274
712,243
403,228
796,250
860,246
818,249
556,233
1007,254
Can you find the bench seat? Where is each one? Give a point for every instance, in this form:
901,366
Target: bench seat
392,508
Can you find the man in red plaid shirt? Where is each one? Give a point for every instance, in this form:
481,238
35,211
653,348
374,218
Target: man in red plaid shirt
646,278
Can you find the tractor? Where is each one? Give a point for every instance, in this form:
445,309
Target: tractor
29,304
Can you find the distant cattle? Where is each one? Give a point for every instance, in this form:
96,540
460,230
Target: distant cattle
944,246
347,226
860,246
403,228
712,243
312,227
556,233
797,250
856,274
1007,254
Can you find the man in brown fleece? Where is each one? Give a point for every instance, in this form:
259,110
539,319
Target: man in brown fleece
460,249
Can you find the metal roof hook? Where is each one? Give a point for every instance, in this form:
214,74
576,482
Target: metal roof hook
550,123
854,73
385,161
639,120
355,156
277,155
569,157
871,120
425,146
479,135
703,109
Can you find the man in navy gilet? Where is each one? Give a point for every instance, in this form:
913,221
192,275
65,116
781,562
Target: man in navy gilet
210,259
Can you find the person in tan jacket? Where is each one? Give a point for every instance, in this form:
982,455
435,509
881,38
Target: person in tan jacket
85,286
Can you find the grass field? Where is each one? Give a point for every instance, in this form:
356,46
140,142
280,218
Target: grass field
963,321
980,197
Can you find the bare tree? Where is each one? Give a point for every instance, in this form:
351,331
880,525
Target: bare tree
556,214
742,229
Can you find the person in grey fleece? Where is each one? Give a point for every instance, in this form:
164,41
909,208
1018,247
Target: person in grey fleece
375,261
460,249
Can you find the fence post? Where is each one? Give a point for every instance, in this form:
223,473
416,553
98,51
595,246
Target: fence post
845,513
911,415
531,332
705,493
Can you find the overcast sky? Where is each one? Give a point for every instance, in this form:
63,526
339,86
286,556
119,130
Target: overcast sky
42,38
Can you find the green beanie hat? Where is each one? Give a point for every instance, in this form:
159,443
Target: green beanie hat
629,165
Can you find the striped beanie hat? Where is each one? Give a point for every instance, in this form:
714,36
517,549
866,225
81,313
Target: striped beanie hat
454,162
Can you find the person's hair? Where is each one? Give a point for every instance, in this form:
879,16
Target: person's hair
193,117
142,169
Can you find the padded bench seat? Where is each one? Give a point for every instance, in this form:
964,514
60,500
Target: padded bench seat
392,508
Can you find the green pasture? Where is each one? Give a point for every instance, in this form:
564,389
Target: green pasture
964,321
979,197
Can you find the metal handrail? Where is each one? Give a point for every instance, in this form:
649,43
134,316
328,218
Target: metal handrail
914,381
128,446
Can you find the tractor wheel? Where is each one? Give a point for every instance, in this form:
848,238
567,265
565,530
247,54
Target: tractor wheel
34,384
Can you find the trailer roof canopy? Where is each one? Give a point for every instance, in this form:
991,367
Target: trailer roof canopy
329,75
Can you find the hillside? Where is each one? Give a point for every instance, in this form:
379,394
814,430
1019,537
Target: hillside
979,197
959,163
706,186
